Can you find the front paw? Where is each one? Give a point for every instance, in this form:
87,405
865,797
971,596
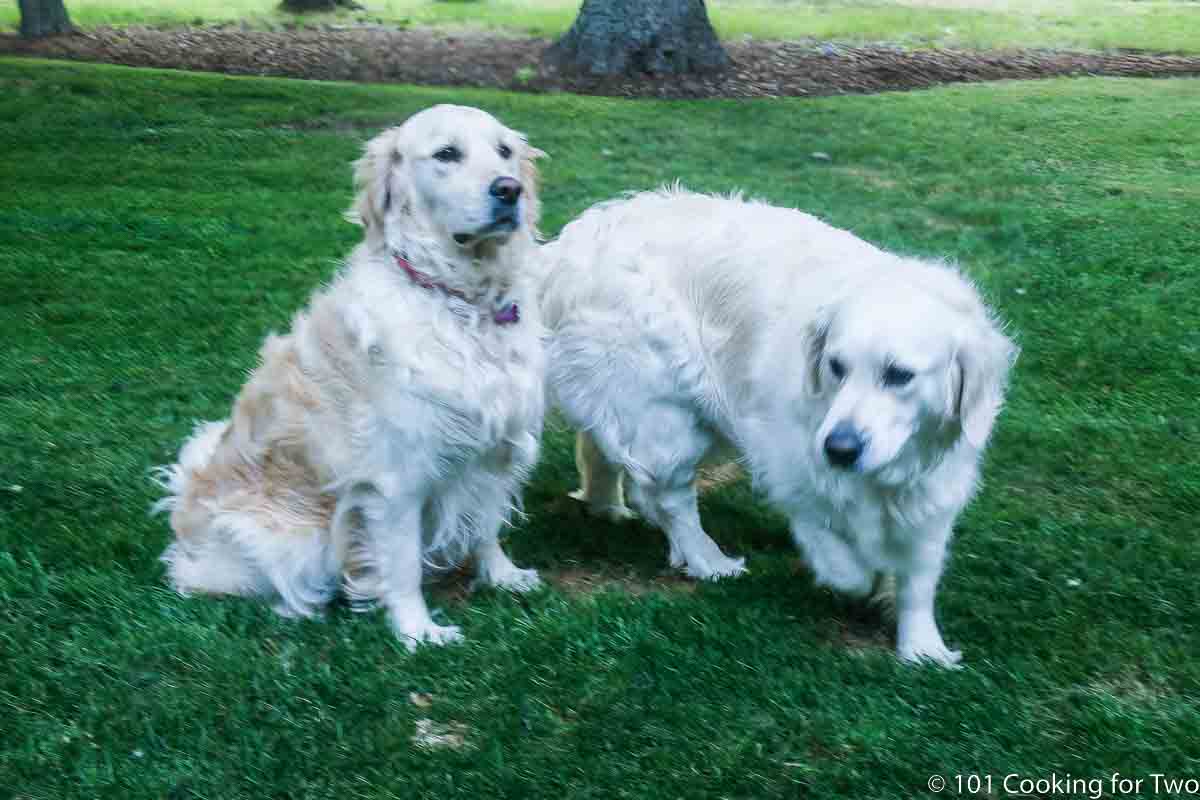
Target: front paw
427,632
838,568
714,569
833,562
851,584
932,652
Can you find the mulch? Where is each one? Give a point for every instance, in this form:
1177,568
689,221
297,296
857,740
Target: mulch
381,54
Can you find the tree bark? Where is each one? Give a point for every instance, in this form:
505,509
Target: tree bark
41,18
630,37
301,6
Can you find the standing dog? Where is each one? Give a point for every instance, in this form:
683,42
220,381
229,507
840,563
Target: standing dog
859,387
394,424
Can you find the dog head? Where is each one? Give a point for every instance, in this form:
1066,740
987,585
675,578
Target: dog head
450,172
907,365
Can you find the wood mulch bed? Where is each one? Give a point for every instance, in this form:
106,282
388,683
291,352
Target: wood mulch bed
382,54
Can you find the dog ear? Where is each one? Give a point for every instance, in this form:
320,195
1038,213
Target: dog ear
530,184
814,348
373,184
978,379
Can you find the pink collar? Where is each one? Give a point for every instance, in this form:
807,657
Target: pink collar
507,315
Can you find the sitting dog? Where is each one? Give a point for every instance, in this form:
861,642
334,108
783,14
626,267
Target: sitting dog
858,387
393,426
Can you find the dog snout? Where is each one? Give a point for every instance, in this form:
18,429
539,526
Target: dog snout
843,445
506,190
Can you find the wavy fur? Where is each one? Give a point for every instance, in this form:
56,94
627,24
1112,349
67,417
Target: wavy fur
686,327
391,428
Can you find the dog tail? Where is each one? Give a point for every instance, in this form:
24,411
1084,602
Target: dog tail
235,535
199,560
196,454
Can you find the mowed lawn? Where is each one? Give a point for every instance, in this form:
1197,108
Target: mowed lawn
1167,25
155,225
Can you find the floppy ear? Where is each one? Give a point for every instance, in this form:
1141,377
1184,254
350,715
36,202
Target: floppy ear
373,185
529,181
814,348
978,379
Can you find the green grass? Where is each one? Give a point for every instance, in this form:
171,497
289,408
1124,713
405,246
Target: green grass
1166,25
156,225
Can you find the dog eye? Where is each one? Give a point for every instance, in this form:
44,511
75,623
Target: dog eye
504,150
897,376
837,368
448,154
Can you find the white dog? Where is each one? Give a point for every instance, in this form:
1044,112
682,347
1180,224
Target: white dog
859,387
393,426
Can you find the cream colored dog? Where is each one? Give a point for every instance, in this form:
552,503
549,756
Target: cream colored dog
858,387
393,426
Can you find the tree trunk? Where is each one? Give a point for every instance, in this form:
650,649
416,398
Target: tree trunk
301,6
43,18
629,37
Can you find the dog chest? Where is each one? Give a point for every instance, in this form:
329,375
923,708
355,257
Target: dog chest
483,385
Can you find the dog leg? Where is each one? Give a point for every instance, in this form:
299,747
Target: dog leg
398,541
917,634
883,596
674,509
669,444
833,562
601,483
494,568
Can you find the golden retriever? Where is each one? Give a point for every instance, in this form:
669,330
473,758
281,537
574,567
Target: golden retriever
859,387
392,427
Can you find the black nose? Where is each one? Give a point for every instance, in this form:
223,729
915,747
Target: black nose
506,190
843,445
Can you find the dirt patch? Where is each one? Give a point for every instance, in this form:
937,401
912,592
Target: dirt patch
1127,689
452,587
864,625
716,476
577,581
859,637
455,587
381,54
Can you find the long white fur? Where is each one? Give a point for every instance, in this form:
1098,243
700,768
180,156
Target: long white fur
685,327
391,429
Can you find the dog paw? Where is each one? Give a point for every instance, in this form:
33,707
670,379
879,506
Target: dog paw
931,653
286,611
514,580
615,514
712,569
846,577
428,633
